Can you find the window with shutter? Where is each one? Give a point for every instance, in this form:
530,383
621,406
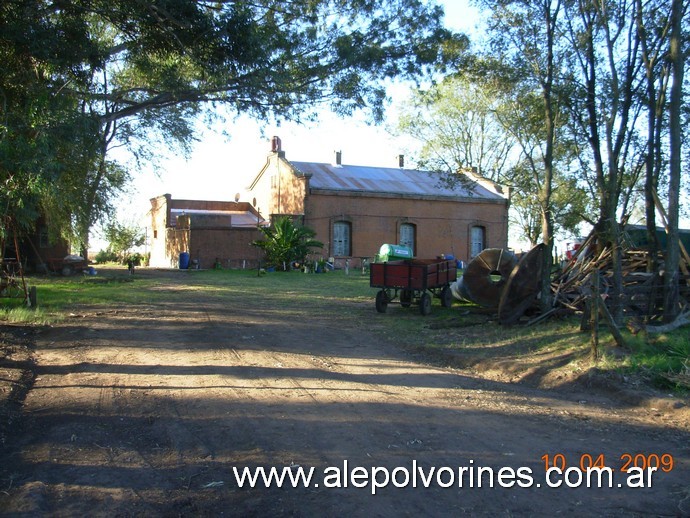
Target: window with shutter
341,239
476,241
406,238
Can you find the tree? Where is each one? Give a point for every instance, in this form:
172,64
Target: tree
677,62
521,58
569,203
112,71
286,242
123,239
455,123
606,72
525,34
44,138
653,25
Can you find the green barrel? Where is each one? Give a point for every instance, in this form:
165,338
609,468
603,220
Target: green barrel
389,252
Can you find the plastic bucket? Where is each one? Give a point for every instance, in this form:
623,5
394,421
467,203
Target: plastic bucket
184,260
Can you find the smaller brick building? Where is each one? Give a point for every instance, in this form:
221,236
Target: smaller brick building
36,249
211,232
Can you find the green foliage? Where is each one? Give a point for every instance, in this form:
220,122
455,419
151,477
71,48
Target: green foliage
662,354
123,239
109,256
455,123
474,121
569,202
82,77
106,256
286,242
136,259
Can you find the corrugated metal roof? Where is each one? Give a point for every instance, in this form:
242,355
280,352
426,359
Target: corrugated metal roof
235,218
387,180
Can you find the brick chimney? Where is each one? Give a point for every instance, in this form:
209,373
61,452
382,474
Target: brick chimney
276,145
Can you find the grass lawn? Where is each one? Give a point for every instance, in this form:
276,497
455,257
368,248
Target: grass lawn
464,332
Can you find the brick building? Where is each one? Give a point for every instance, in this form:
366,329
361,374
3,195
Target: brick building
356,209
37,248
210,232
353,209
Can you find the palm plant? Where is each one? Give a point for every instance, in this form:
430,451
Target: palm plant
285,242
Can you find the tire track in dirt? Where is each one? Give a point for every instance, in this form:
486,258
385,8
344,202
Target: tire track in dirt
148,412
484,396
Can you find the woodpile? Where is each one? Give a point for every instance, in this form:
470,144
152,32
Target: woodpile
642,288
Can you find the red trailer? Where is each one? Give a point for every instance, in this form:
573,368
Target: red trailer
413,281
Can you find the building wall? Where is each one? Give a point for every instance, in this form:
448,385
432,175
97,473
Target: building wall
278,190
36,248
176,241
159,234
442,226
231,248
289,190
207,238
208,204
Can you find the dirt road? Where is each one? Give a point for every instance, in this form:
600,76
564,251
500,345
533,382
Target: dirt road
145,410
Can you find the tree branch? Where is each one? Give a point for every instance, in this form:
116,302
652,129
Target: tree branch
681,320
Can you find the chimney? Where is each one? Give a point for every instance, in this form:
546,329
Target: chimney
275,145
338,159
401,161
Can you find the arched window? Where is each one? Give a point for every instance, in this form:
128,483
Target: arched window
342,239
407,234
477,239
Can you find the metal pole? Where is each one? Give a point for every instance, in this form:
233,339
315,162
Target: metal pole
258,229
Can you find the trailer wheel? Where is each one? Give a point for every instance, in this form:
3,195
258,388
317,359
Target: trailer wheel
381,301
67,270
425,304
406,298
446,297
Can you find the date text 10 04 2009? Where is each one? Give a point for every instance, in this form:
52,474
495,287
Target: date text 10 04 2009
625,461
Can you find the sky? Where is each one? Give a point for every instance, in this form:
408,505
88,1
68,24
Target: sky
221,166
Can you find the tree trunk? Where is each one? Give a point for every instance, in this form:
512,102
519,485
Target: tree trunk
650,172
671,277
617,268
84,249
547,186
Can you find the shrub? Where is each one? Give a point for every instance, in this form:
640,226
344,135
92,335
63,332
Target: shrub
106,256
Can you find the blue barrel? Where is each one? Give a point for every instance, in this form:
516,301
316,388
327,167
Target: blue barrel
184,260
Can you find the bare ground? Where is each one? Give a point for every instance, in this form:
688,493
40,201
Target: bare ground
146,410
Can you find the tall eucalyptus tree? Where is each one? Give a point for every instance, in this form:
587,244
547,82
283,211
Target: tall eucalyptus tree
523,39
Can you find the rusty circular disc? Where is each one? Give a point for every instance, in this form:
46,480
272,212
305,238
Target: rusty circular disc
522,287
487,274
